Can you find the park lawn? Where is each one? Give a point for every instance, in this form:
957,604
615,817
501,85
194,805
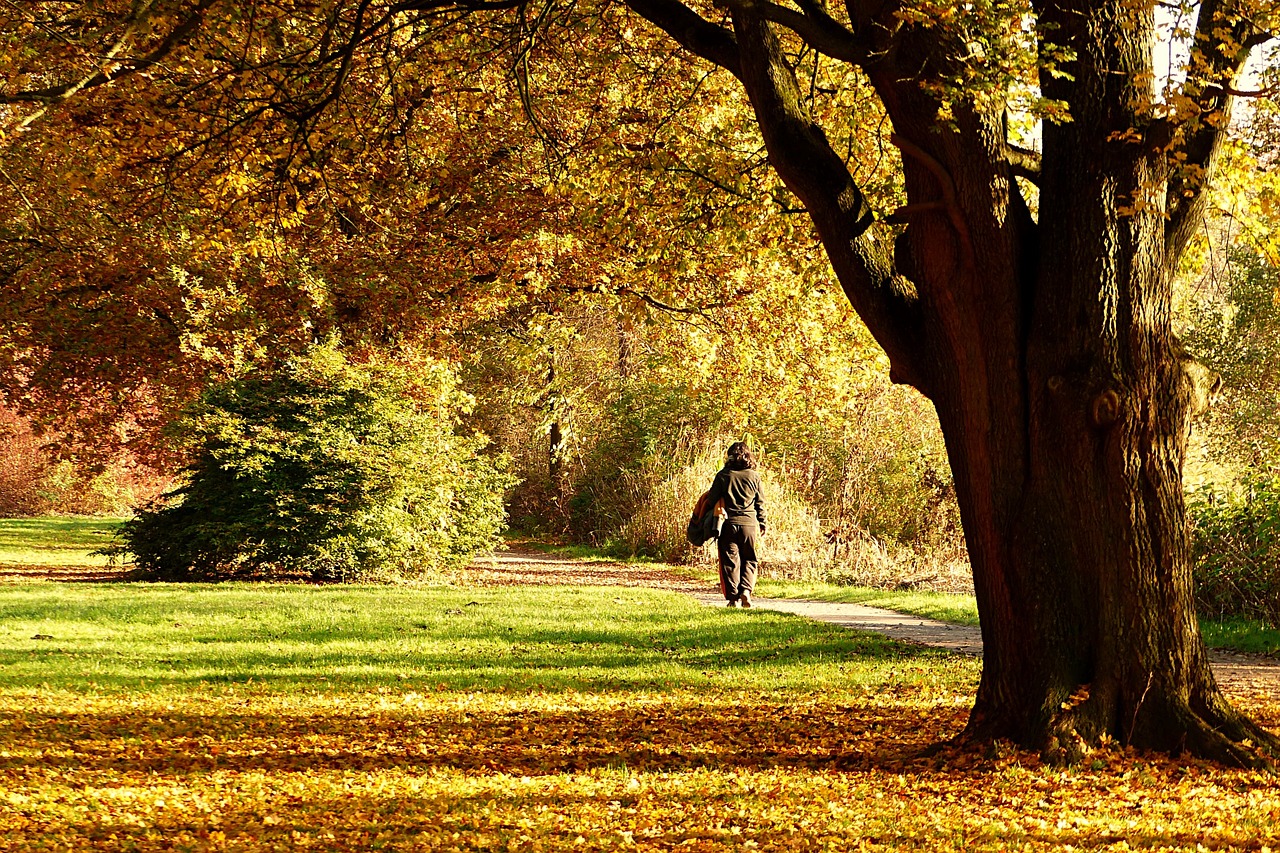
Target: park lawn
55,540
257,717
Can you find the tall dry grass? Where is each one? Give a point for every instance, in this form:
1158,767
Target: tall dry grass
665,490
798,546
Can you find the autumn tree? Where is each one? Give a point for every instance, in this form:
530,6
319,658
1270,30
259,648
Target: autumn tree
1020,282
1043,337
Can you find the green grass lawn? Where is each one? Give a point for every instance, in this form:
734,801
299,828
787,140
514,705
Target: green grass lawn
60,541
289,638
1241,635
256,717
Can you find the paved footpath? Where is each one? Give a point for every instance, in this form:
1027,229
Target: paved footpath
964,639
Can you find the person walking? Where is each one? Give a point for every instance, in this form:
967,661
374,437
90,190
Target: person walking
738,485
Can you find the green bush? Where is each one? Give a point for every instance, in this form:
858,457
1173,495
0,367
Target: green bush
1234,328
324,470
1236,550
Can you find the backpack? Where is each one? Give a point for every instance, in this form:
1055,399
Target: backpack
705,522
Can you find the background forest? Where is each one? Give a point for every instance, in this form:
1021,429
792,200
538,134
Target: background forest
595,280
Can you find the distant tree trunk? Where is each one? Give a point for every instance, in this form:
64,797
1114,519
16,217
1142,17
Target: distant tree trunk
624,350
555,453
555,435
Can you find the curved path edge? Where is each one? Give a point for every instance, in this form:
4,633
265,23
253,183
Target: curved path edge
1257,676
962,639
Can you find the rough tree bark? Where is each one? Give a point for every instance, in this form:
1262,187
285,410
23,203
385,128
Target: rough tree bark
1044,343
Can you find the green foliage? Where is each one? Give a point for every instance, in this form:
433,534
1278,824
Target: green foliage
326,470
1235,512
1234,329
648,443
1236,549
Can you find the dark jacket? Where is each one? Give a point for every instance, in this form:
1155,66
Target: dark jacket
705,523
740,491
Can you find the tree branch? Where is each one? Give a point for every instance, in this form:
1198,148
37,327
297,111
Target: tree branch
1025,163
114,69
468,5
807,164
818,29
694,33
1203,135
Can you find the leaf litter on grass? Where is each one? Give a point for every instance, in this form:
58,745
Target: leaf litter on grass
574,753
445,770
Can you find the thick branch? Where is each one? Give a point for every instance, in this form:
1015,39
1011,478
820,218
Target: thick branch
1203,139
806,162
819,30
948,189
1025,163
467,5
693,32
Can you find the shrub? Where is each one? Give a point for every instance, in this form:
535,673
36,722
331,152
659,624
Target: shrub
325,470
1236,550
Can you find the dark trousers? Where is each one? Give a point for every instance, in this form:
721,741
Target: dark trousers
738,563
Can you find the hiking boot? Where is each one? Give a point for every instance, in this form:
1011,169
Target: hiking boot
745,599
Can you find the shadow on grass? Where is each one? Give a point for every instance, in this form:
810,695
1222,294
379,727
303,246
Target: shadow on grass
766,650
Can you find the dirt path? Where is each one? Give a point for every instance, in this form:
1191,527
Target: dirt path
522,565
1246,676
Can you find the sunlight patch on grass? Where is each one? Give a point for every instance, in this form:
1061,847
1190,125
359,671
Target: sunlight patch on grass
170,637
55,541
1243,635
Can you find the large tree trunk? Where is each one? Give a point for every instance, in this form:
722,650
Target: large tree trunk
1045,346
1080,553
1080,546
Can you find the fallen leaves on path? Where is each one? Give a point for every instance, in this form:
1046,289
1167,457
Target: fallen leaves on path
520,564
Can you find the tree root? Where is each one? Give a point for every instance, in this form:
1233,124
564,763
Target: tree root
1213,732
